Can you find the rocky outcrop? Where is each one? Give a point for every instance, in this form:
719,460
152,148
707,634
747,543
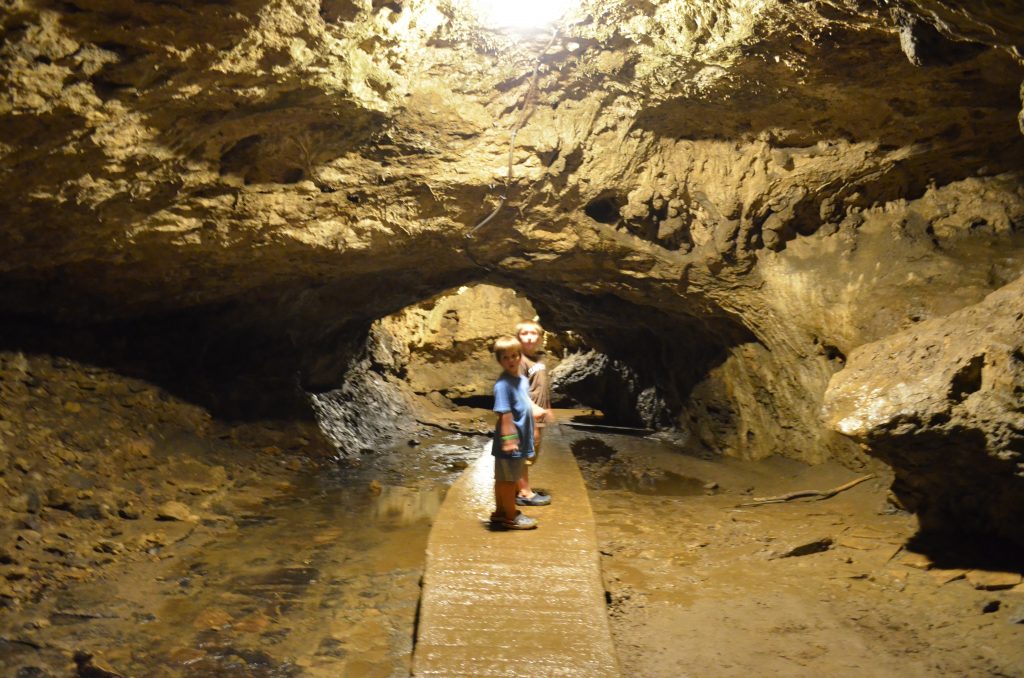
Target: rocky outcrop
444,345
367,410
943,403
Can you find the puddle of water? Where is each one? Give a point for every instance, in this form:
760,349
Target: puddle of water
592,450
605,469
660,483
398,505
318,577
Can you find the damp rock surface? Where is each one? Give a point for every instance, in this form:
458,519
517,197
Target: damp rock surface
946,394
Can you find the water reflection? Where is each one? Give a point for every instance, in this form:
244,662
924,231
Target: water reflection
397,505
605,469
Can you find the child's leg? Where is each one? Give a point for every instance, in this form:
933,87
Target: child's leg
505,495
506,478
523,484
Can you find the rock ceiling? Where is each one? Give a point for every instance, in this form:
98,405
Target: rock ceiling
744,191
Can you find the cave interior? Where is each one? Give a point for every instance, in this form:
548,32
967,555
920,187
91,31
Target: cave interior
790,228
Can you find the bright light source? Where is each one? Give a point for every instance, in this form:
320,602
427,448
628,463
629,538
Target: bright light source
521,14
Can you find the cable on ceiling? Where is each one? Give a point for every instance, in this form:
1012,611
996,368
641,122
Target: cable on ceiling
529,106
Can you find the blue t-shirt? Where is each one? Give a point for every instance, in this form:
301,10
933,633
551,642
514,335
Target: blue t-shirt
512,394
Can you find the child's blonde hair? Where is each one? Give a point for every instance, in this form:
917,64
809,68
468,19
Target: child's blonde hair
505,343
530,323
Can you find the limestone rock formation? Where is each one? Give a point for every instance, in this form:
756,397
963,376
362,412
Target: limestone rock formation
943,403
729,196
444,345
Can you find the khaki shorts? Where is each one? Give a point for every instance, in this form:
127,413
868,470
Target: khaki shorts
508,470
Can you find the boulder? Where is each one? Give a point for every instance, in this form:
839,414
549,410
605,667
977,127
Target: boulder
943,403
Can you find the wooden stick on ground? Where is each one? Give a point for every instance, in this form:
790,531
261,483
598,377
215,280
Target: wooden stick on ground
817,495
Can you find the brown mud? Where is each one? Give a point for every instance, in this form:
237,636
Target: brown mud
142,538
698,586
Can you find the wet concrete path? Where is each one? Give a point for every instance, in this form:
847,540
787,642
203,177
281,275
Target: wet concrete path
515,603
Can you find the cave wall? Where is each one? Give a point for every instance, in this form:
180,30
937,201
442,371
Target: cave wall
443,345
730,195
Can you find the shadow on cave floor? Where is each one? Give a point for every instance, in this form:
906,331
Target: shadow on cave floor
968,552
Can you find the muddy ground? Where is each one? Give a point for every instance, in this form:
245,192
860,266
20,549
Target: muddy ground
701,586
141,537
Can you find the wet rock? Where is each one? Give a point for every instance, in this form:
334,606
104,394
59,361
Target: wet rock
89,666
940,402
925,46
444,350
109,546
916,560
212,618
254,623
814,546
186,656
595,379
993,581
175,510
196,477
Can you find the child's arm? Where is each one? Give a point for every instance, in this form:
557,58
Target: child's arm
508,433
541,416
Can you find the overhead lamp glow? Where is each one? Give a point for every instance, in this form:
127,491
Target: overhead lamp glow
522,14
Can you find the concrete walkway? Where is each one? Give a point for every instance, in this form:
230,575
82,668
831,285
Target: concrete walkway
527,603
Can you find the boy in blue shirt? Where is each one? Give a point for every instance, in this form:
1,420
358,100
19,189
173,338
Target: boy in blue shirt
513,436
